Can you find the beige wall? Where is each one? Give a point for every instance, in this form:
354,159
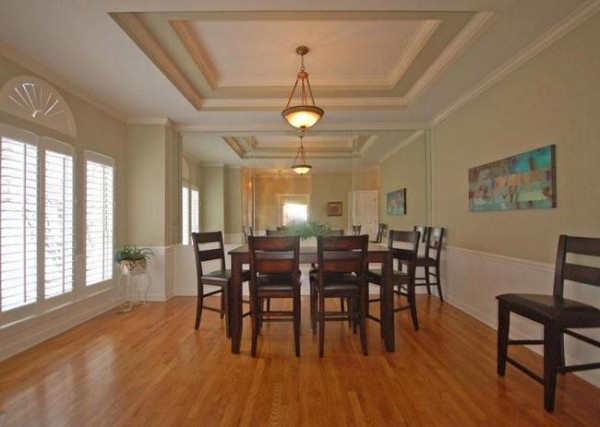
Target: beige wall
553,99
146,169
330,187
233,201
406,169
213,198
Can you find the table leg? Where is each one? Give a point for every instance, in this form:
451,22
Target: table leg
235,304
387,304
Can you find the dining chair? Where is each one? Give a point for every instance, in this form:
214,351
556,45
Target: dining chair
577,263
356,230
381,228
405,247
279,232
342,274
247,230
430,261
314,271
274,273
208,248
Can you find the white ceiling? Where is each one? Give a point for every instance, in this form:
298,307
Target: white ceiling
221,71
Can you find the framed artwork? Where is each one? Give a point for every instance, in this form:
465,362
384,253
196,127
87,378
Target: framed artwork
334,208
523,181
396,202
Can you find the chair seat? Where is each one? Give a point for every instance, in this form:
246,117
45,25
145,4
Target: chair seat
425,262
400,277
338,284
223,276
568,312
275,283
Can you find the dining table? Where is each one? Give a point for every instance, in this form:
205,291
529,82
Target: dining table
377,253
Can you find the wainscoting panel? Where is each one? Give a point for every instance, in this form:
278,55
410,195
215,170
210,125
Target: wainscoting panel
471,280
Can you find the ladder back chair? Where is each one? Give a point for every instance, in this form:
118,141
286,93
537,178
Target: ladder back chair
381,228
247,230
404,274
342,274
430,261
208,247
356,230
557,314
274,273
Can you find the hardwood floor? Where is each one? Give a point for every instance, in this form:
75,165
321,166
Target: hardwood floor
151,368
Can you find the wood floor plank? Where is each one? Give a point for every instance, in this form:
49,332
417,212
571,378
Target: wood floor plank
150,367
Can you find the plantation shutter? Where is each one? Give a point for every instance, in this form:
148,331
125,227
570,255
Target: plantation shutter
195,211
185,215
18,224
99,219
59,222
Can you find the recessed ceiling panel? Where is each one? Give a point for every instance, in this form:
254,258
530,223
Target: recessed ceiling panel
342,52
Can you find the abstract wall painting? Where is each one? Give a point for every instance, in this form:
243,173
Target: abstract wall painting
523,181
396,202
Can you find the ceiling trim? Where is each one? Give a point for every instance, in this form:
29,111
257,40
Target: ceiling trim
164,121
456,46
579,16
276,103
33,67
365,147
189,40
136,30
416,44
278,127
234,145
401,145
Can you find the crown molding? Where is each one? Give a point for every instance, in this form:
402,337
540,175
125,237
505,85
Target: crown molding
400,146
44,73
163,121
230,128
219,104
184,31
137,31
579,16
456,46
416,44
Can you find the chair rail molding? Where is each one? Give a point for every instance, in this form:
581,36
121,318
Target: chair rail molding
472,279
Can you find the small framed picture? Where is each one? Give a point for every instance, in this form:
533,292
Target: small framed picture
334,208
396,202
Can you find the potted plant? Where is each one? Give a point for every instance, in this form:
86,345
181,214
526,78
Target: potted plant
133,260
307,229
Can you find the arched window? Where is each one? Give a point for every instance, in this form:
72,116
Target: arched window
33,99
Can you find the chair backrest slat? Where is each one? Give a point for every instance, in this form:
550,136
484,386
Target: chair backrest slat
407,254
202,255
582,274
342,254
274,255
380,231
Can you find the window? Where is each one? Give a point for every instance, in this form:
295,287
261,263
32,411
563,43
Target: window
293,208
294,212
36,223
190,212
99,195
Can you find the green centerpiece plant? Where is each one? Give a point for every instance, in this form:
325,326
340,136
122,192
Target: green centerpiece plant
307,229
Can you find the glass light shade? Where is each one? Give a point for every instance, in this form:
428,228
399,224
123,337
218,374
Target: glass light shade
303,116
301,169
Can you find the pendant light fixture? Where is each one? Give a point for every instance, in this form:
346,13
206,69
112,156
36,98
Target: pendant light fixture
306,114
300,166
